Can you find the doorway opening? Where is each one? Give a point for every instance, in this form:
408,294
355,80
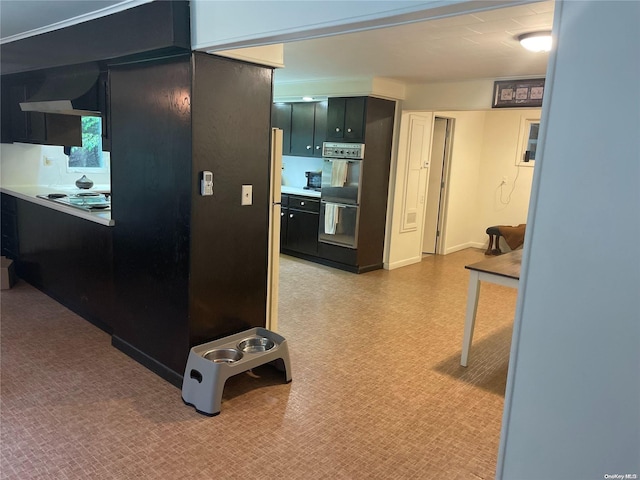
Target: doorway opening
434,215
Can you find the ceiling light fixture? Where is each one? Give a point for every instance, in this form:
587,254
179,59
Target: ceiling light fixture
307,99
536,41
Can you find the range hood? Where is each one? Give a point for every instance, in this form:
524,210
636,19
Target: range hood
71,90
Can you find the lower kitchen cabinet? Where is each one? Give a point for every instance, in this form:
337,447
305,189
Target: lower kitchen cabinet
9,227
299,225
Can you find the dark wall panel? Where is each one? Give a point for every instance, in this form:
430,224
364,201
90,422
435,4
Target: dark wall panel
146,30
231,138
68,258
151,178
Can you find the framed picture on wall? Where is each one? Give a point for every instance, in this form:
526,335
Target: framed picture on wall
518,93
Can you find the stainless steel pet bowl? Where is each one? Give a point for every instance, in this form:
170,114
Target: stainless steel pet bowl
256,344
223,355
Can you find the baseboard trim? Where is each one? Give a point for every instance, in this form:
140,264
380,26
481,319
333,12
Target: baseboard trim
402,263
147,361
464,246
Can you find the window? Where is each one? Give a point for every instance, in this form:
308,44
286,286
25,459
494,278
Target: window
88,158
528,143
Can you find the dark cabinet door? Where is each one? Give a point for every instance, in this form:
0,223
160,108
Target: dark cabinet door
320,129
354,119
281,118
346,119
9,229
302,231
103,107
19,128
335,119
284,215
37,127
302,128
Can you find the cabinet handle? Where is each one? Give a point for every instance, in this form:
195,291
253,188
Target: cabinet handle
317,147
337,129
291,215
348,130
302,204
281,214
308,147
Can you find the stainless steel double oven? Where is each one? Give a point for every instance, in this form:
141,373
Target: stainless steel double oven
340,193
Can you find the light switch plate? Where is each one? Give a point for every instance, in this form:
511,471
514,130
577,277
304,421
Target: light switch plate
247,195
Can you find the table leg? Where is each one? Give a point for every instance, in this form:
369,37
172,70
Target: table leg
470,319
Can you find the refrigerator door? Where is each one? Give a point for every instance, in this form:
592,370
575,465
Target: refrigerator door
273,268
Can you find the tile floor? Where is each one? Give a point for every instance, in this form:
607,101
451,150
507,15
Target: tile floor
377,391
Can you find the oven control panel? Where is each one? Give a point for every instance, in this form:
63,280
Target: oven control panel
343,150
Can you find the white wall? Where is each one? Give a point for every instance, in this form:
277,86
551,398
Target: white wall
462,190
484,150
502,204
572,406
294,168
463,95
22,164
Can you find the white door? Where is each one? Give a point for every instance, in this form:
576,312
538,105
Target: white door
273,272
436,184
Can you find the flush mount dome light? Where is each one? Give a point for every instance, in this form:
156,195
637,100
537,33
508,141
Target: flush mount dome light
536,41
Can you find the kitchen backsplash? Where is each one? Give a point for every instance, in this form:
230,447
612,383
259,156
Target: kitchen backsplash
294,168
24,164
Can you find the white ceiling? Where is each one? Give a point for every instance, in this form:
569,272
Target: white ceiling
480,45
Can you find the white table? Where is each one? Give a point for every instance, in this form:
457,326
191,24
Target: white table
503,270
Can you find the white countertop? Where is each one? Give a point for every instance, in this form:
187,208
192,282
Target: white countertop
299,191
29,192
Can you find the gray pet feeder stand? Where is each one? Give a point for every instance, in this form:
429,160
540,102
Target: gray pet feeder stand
210,365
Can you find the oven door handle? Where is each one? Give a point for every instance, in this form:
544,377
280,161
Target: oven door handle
353,205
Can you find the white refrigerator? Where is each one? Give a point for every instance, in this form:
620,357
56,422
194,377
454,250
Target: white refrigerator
273,268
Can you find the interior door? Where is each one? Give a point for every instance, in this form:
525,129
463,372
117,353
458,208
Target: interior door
435,186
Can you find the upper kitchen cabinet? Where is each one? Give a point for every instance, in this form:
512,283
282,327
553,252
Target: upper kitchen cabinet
281,118
308,126
346,119
35,127
304,127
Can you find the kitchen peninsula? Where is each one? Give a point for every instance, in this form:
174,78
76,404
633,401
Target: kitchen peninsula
171,269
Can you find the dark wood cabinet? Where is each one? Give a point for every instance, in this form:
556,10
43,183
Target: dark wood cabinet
103,108
299,225
68,258
346,119
304,126
36,127
10,244
281,118
320,128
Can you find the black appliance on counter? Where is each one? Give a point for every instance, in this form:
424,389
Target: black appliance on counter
314,181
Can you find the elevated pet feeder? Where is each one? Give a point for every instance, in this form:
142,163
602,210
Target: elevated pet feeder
210,365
